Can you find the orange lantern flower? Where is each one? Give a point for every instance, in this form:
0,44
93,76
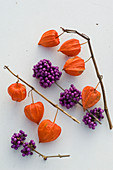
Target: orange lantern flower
90,96
74,66
48,131
17,91
34,112
70,47
49,39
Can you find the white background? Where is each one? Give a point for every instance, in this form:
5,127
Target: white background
22,22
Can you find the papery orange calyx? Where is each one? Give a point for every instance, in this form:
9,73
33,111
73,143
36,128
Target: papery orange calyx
17,91
90,96
48,131
49,39
74,66
70,47
34,111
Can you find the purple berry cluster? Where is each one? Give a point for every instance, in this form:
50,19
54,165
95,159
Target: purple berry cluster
27,148
17,139
47,73
70,97
89,120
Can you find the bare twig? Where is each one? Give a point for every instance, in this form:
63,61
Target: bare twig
55,105
97,71
52,156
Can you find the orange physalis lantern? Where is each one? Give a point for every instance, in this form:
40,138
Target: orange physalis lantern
74,66
49,39
34,112
17,91
48,131
90,96
70,47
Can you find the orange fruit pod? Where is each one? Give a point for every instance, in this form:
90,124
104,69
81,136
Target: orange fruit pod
17,91
90,96
74,66
70,47
48,131
49,39
34,112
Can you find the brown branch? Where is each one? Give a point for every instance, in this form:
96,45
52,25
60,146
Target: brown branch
97,72
80,105
73,118
52,156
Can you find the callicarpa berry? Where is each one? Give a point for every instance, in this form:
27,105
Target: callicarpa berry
70,97
89,120
17,139
47,73
28,148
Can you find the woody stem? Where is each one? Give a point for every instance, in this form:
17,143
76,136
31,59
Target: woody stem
32,97
97,72
60,34
84,43
73,118
17,80
87,59
60,156
45,157
97,85
80,104
55,116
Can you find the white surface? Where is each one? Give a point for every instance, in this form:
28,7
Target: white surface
22,23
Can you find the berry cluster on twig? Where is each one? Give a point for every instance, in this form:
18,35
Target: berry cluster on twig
18,139
89,120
